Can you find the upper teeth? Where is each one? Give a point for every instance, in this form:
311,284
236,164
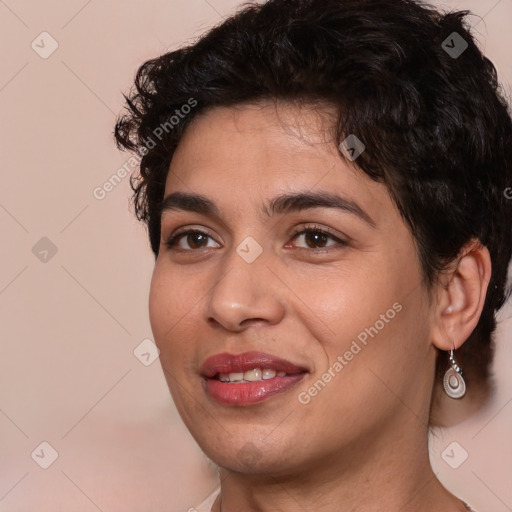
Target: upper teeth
250,375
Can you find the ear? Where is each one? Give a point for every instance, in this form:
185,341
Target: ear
461,296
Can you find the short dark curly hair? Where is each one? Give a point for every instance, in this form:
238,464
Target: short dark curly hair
425,101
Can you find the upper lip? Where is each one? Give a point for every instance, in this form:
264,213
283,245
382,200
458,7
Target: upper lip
231,363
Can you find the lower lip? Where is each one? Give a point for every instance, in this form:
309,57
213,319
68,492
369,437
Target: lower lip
247,393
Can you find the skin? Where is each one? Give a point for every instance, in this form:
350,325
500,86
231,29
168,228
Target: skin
361,442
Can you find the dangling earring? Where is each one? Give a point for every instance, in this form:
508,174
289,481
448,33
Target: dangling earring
453,383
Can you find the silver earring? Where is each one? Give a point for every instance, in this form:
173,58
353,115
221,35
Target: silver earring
453,383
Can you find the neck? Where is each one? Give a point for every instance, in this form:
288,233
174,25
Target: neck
394,476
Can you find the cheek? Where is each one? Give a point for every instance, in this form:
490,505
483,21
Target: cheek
169,303
380,343
159,304
171,297
371,314
347,302
176,300
170,315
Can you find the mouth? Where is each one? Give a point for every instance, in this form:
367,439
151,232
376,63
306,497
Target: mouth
253,375
248,378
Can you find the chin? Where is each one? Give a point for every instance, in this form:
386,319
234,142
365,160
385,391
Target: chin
248,456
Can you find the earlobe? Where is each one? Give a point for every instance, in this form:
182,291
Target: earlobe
461,299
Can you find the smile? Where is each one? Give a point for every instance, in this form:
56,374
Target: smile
248,378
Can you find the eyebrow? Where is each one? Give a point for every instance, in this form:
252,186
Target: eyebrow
281,204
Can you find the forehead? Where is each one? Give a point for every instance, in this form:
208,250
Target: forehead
238,153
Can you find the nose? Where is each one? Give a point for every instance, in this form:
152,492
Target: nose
245,294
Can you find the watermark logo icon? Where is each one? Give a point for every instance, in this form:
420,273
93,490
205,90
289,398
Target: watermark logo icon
45,455
44,45
454,455
249,249
44,250
146,352
249,454
351,147
454,45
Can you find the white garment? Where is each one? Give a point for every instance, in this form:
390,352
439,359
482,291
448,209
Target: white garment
206,505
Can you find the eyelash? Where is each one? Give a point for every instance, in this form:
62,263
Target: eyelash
170,243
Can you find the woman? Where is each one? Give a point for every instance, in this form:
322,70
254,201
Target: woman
324,188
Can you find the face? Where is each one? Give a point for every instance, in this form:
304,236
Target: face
328,292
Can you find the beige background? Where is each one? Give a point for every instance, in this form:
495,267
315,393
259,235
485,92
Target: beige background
69,325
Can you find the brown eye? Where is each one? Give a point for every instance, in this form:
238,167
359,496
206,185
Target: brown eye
195,239
316,238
